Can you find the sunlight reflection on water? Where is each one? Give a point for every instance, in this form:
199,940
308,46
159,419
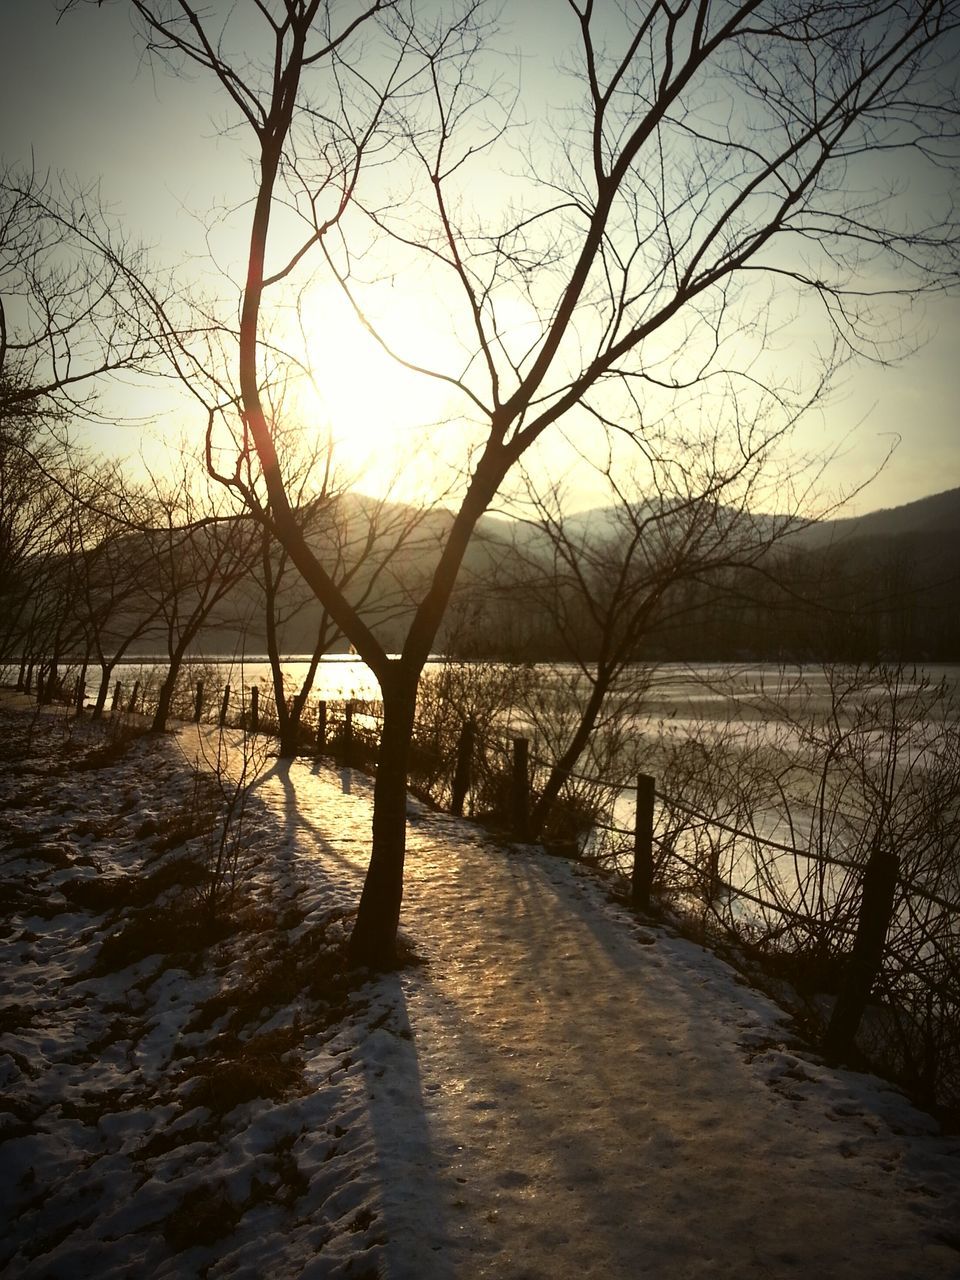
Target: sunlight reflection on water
677,687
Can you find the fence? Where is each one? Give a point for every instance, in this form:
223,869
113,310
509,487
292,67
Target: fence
884,948
874,952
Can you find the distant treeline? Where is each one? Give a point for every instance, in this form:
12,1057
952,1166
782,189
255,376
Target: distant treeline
893,598
95,570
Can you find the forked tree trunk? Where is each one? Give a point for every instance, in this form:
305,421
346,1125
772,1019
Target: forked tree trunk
51,683
374,938
288,737
287,731
291,718
564,766
160,716
165,699
105,673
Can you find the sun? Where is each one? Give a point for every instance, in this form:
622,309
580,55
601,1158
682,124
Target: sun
389,423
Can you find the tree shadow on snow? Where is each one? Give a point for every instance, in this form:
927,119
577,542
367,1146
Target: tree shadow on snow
327,831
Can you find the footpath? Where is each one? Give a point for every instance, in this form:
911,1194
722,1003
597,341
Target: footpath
585,1095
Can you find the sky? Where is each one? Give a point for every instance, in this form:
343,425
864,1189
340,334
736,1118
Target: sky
76,97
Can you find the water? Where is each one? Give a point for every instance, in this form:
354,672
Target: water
678,693
340,676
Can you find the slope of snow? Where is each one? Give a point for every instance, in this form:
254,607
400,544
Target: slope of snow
557,1090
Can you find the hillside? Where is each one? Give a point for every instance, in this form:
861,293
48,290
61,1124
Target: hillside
886,584
897,569
938,514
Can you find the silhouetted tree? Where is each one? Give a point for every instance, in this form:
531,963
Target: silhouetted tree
198,550
687,511
717,167
78,303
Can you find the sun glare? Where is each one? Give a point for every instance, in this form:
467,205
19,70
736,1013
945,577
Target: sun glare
388,422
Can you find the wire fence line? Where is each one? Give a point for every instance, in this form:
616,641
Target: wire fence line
751,835
739,880
340,711
809,910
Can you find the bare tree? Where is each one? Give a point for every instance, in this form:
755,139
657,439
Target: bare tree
688,511
56,632
717,169
874,752
360,540
198,550
78,303
30,510
113,567
78,306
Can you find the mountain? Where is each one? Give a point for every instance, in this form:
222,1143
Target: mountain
885,584
896,570
888,580
938,514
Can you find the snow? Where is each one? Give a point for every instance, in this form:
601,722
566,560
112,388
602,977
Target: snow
558,1089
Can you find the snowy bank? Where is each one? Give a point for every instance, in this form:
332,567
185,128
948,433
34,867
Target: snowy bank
557,1090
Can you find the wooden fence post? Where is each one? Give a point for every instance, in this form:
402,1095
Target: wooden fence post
714,881
321,726
198,703
641,881
117,695
879,890
348,734
132,704
520,788
224,705
254,708
461,772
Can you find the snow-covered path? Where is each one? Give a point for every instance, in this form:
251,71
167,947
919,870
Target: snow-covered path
573,1093
558,1091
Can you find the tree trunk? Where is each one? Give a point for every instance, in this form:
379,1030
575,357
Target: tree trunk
561,770
159,722
374,939
51,683
162,713
288,733
105,674
286,730
81,689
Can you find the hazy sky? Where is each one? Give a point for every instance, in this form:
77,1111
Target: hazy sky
75,96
